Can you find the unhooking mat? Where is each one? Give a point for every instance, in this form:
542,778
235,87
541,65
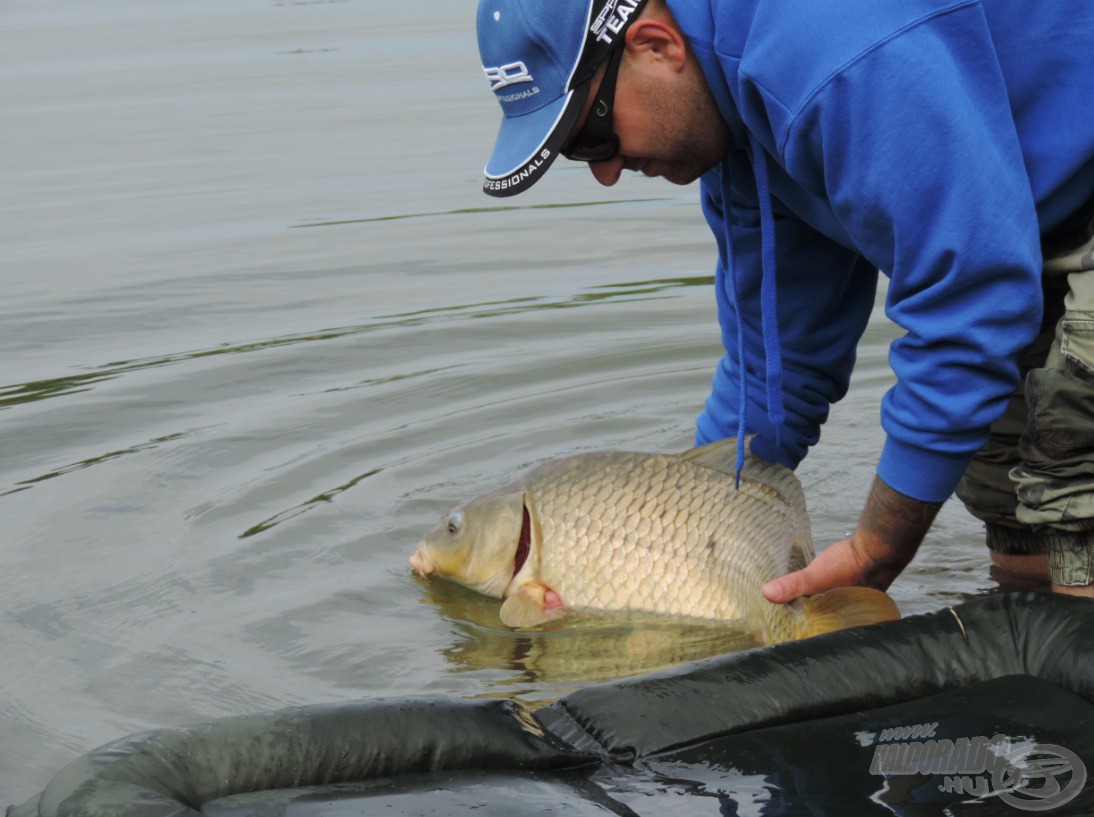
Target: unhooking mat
986,708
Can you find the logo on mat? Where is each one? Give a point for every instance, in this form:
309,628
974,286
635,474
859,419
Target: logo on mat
506,75
1022,773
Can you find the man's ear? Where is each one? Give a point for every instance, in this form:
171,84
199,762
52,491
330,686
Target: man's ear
657,40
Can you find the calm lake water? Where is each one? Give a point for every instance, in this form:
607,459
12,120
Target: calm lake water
260,328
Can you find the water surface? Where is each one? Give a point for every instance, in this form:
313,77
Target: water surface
260,329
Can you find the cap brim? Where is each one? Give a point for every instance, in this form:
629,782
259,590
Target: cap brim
527,145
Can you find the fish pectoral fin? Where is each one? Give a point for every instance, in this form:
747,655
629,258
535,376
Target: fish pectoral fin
845,607
531,604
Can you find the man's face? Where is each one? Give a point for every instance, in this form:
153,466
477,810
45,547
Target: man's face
667,123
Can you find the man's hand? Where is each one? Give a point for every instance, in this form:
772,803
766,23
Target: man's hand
887,537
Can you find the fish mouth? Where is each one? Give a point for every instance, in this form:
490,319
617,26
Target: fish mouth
421,562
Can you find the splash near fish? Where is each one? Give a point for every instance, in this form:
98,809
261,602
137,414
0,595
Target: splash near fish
629,531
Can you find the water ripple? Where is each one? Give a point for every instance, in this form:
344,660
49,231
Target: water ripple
37,390
473,211
87,463
304,507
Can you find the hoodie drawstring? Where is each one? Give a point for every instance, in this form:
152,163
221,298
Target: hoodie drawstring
731,270
769,313
769,317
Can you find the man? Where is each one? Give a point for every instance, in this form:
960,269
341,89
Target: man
948,144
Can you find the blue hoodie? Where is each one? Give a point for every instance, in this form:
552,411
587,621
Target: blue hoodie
933,141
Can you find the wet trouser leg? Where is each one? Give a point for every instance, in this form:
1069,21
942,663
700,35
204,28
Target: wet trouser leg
1033,482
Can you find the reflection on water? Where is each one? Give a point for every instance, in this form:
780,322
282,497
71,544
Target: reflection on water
544,664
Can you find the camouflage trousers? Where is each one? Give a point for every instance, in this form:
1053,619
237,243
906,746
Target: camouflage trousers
1033,482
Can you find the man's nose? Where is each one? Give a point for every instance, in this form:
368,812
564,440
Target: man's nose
607,173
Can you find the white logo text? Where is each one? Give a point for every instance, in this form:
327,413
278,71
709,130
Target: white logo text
506,75
611,19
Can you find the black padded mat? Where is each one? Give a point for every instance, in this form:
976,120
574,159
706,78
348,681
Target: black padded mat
828,766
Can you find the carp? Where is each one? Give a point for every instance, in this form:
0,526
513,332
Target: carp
657,533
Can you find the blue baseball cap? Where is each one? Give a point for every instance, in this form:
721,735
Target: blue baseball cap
540,57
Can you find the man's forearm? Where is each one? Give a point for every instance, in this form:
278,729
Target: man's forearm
888,534
890,531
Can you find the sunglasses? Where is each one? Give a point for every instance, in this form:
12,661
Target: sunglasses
596,141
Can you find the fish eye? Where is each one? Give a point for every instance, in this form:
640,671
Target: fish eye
454,520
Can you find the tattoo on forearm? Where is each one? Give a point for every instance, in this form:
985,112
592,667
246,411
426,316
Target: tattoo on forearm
895,518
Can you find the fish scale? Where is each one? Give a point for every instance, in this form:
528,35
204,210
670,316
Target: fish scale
653,504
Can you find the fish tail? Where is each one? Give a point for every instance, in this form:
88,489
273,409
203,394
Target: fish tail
843,608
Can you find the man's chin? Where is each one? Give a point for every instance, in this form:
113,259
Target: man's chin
680,174
682,177
683,180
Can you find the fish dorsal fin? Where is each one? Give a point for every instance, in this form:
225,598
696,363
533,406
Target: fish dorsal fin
722,456
717,456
